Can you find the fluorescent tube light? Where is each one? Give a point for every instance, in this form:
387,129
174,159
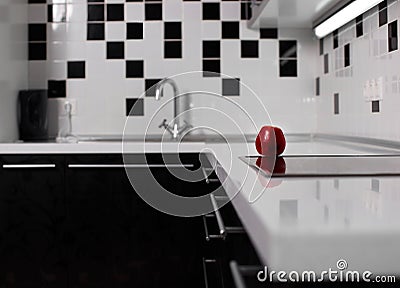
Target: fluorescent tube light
344,16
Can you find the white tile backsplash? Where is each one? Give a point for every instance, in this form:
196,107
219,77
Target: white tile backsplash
370,60
13,63
102,94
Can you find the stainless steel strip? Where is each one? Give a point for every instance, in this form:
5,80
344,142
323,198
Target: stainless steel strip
84,166
28,166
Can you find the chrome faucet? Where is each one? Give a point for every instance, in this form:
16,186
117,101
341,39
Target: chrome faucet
176,129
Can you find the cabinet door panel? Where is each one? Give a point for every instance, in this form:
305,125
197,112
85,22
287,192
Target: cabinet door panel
32,213
118,240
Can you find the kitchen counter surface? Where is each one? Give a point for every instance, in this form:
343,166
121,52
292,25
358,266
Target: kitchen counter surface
295,224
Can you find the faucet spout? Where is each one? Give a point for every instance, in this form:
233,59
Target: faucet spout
160,88
175,129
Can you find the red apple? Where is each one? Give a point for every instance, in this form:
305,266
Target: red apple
280,141
270,141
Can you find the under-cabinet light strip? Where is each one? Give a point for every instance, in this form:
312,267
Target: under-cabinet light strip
344,16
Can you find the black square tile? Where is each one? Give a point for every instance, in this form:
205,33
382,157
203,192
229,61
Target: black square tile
321,46
134,69
57,88
172,49
211,11
393,37
134,107
245,10
231,87
335,39
230,30
336,103
383,13
115,50
382,5
115,12
287,68
211,68
150,86
326,63
347,55
172,30
153,11
359,26
95,12
269,33
76,69
211,49
383,17
375,106
134,30
37,51
249,49
95,31
288,49
37,32
37,1
317,86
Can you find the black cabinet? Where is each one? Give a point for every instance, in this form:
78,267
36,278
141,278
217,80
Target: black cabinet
76,221
32,222
118,240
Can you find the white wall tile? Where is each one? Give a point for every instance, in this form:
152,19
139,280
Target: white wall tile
13,64
172,10
230,11
134,12
211,30
115,31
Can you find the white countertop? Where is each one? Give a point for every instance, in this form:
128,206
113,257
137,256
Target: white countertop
301,224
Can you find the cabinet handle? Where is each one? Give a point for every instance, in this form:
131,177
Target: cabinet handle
223,230
208,180
205,262
220,222
28,166
208,235
236,275
88,166
238,272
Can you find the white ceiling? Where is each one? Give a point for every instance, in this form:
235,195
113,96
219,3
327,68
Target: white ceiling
290,13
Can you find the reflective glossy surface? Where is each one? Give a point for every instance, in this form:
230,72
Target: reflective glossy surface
328,166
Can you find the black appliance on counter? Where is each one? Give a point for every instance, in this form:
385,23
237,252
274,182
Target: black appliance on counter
32,115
